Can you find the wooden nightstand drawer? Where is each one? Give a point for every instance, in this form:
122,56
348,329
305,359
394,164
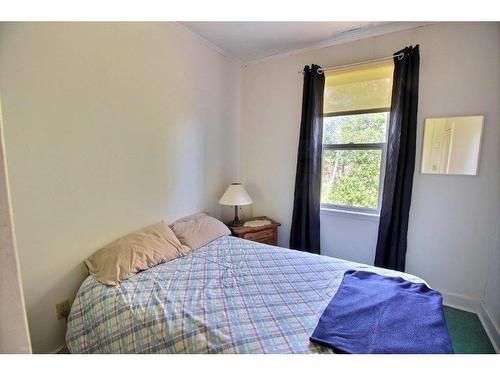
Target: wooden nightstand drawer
267,234
258,236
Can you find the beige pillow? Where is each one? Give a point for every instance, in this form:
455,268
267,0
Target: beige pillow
199,229
135,252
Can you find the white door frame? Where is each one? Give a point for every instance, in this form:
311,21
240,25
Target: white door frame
14,333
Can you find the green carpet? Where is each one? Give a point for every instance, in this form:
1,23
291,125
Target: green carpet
467,333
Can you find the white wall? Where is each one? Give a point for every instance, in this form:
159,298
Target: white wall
492,292
108,127
453,219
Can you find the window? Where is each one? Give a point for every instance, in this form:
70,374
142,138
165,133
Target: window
356,112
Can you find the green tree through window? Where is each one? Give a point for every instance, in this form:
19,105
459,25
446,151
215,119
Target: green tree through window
353,147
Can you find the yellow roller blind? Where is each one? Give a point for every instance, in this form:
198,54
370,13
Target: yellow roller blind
358,88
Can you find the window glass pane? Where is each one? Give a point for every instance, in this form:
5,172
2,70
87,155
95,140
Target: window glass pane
351,177
358,88
365,128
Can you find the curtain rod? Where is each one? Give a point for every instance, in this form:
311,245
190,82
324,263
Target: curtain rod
321,70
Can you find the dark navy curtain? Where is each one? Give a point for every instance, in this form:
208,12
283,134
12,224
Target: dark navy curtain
305,231
398,182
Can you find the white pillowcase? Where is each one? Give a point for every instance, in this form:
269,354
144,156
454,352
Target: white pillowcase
197,230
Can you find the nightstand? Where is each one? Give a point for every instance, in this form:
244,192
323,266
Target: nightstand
267,234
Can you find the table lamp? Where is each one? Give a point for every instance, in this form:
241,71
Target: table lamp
235,195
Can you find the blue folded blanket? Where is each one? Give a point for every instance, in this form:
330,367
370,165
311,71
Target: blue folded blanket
371,313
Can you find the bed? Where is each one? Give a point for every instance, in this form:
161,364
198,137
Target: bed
230,296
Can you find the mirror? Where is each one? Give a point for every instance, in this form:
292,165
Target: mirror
451,145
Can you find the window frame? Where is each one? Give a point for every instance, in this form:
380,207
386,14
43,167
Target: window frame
359,146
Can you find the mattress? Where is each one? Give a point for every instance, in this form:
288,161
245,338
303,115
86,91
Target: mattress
230,296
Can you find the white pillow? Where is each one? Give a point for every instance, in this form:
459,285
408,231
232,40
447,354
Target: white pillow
197,230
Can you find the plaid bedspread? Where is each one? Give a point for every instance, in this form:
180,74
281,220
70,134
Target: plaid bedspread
230,296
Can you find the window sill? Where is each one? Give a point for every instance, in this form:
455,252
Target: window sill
349,214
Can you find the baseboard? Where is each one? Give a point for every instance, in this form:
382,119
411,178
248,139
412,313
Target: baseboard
461,302
490,326
478,307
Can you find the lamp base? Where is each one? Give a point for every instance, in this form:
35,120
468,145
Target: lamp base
236,222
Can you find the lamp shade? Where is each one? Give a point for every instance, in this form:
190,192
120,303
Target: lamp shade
235,195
